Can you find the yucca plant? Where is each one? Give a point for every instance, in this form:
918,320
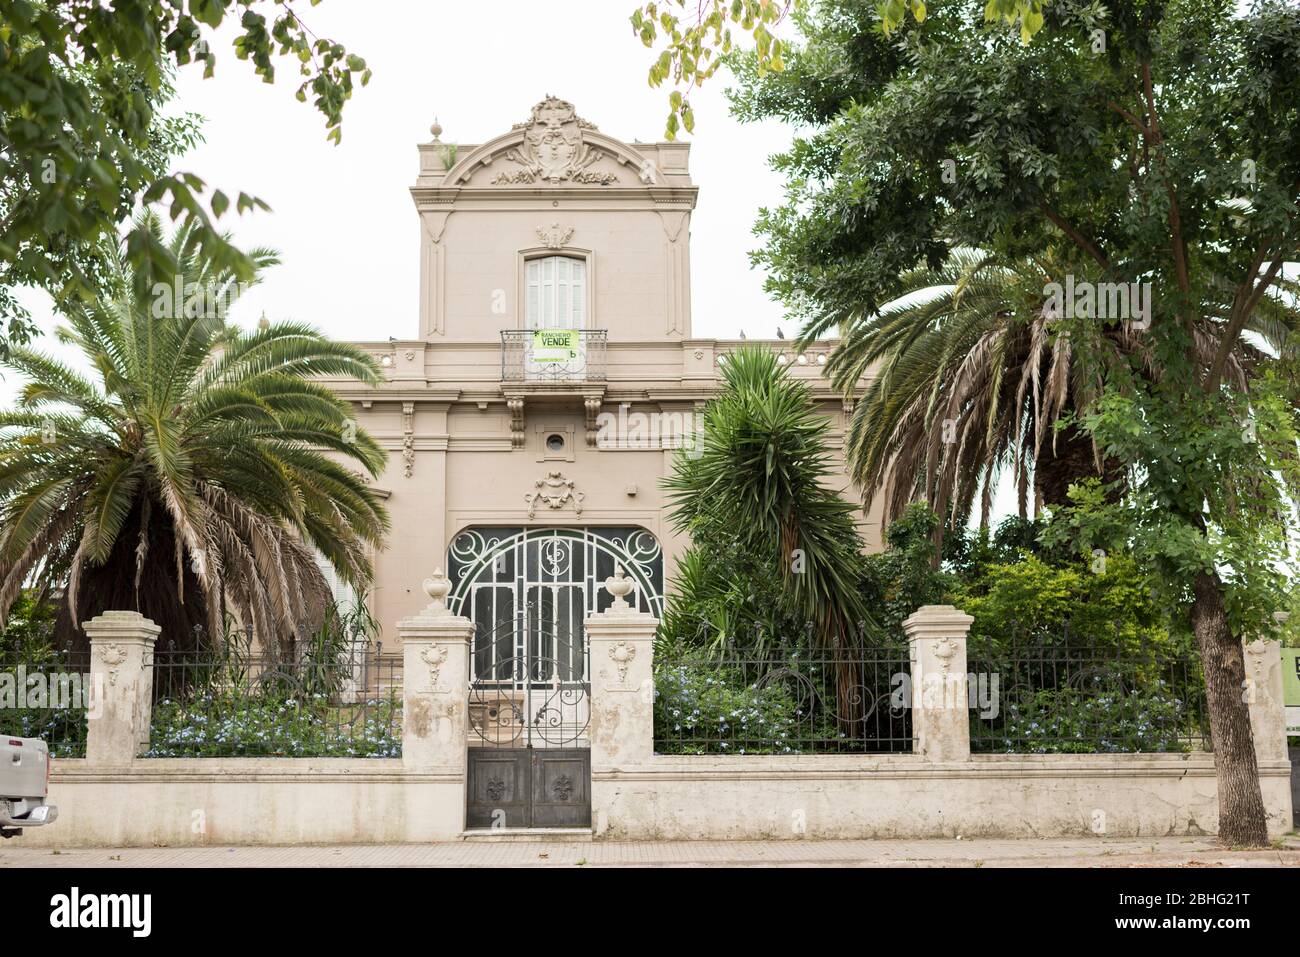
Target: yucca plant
759,490
199,469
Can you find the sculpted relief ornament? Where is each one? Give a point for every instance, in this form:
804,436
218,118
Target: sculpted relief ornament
555,491
556,236
553,150
435,658
113,655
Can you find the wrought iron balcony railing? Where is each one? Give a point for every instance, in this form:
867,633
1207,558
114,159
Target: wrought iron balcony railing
553,355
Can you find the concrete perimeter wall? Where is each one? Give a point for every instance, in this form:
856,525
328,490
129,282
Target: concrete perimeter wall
179,802
113,798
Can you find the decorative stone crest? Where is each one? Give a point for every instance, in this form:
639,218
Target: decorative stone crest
554,491
621,653
553,150
555,236
1259,654
434,657
944,651
113,655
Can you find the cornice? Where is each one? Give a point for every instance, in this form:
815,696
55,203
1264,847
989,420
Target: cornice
429,198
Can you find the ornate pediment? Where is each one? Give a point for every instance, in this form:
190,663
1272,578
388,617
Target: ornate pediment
554,149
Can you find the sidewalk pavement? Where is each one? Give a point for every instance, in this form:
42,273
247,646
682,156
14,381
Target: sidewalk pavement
1081,852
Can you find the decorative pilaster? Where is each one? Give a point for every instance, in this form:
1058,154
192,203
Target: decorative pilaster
940,715
622,686
1264,697
121,675
435,682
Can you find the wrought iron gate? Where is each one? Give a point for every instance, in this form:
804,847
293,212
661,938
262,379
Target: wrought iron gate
529,762
528,592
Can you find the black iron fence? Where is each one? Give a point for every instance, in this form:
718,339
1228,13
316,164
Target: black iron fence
1045,693
802,704
230,703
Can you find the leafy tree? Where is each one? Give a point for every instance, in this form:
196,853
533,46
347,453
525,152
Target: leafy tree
196,472
82,143
906,574
1147,142
698,40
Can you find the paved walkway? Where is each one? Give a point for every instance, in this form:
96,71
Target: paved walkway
1161,852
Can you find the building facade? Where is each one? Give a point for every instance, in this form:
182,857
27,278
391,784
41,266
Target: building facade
553,375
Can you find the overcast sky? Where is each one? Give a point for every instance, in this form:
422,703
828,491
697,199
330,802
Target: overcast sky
342,217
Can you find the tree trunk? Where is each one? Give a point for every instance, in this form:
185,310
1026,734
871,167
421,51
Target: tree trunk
1071,461
1242,822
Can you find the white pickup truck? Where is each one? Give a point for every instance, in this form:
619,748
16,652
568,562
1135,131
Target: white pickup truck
24,784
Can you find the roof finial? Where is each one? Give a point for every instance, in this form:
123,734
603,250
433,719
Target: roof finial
436,130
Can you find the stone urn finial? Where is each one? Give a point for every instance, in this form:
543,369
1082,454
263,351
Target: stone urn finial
437,587
436,130
620,586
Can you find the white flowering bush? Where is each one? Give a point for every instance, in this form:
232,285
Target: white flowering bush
248,725
1098,717
702,708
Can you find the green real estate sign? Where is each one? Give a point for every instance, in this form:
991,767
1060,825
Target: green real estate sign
555,345
1291,688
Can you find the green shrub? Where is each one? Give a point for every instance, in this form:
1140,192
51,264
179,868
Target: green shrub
26,641
1097,718
704,708
233,724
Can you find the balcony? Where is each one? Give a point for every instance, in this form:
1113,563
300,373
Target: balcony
550,367
552,357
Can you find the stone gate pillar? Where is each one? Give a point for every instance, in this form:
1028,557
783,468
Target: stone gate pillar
121,675
622,688
940,716
435,683
1264,696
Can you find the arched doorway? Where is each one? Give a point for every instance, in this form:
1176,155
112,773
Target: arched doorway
528,591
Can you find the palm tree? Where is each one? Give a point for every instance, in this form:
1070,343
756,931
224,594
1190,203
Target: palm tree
758,490
971,376
196,473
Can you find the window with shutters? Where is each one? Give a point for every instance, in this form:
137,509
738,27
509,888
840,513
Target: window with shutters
343,594
556,293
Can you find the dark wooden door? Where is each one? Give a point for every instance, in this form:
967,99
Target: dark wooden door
499,788
561,787
528,787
